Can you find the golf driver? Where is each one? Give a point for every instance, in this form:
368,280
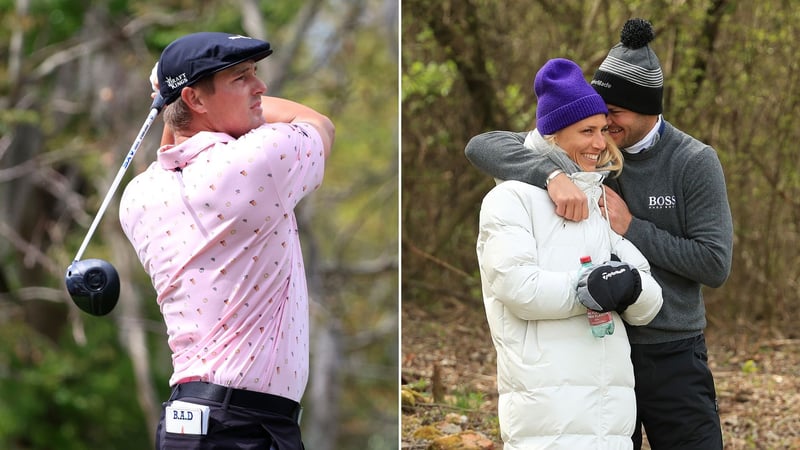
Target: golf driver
93,284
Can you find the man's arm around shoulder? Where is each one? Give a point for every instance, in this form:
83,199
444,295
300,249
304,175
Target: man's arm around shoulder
503,155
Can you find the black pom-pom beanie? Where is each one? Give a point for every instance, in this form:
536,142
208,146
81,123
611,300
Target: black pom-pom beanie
630,77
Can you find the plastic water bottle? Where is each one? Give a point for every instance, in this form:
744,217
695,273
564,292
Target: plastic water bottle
601,323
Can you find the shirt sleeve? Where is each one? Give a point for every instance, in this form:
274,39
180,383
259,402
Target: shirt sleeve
295,158
503,155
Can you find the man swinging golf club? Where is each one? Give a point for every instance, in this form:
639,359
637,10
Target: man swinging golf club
212,221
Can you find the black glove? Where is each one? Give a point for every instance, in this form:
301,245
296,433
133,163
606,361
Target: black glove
611,286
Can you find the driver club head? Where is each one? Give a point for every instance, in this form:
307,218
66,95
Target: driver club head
93,285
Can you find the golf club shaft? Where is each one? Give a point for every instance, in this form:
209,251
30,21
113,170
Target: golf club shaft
155,108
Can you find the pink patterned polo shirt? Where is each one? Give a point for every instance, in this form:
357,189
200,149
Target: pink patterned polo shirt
213,224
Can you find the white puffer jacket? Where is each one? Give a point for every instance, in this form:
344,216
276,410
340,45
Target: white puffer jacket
560,387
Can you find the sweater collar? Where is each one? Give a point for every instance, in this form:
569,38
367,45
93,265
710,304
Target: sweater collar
649,140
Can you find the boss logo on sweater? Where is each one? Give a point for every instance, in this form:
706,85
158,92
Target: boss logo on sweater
662,201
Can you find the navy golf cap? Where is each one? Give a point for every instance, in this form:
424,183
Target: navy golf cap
189,58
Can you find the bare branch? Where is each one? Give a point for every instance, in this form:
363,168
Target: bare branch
279,68
252,22
374,266
74,51
15,46
35,293
30,251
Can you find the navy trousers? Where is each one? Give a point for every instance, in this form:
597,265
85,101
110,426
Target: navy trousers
251,425
675,396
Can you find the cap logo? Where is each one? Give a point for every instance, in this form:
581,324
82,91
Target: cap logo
602,84
238,36
177,82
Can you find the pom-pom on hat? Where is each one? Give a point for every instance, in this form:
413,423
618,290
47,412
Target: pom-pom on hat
630,77
564,96
190,58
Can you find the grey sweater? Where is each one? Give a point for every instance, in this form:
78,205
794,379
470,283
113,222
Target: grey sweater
681,217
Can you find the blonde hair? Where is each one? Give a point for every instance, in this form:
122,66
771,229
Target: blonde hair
610,159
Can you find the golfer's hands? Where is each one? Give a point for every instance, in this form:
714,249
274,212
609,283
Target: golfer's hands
154,81
571,203
617,210
167,137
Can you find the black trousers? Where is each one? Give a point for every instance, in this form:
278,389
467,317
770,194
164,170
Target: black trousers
675,396
238,420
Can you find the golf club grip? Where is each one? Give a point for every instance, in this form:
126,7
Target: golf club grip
158,103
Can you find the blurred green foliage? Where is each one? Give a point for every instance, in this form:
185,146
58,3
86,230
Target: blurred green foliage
731,80
66,379
67,396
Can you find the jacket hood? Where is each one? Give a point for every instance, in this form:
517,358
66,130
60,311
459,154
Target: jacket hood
589,182
535,141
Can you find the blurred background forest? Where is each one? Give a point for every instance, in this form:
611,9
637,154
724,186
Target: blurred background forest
74,92
732,80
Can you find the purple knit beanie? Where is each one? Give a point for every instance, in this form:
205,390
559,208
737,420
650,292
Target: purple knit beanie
564,96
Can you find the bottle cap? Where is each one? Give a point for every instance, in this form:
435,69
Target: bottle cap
586,259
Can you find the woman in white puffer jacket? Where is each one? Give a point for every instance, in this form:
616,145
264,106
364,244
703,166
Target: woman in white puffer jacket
560,387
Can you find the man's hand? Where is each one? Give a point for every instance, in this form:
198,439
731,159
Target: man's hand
617,211
571,203
167,137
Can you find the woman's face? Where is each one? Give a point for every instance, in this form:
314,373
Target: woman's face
584,141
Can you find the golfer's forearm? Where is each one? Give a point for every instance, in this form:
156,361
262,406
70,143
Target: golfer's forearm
281,110
286,111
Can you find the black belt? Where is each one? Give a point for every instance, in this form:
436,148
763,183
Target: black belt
239,397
